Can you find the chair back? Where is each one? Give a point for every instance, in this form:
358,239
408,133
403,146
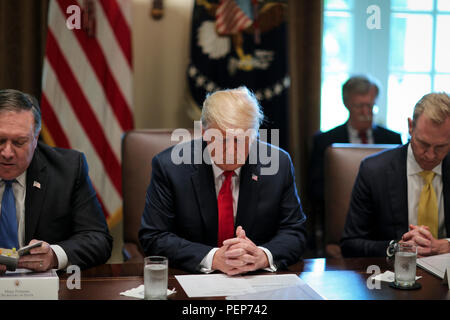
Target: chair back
342,161
138,149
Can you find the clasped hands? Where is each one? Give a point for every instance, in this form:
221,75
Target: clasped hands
426,244
40,259
239,255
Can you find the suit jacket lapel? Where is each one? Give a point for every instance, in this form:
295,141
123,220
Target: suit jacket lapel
203,184
398,191
36,188
376,134
342,133
248,197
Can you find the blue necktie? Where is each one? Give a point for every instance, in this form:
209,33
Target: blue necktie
8,219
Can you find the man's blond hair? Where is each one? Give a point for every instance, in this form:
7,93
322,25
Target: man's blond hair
436,106
232,109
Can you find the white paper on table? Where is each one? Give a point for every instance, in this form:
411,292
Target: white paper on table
139,292
279,287
272,282
435,264
219,285
213,285
21,272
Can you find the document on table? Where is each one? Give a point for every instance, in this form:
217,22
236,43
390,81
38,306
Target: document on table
435,264
219,285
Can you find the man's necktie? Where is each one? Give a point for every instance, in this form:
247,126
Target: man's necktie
363,136
225,206
8,219
428,211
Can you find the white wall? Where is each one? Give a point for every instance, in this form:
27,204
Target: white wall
161,55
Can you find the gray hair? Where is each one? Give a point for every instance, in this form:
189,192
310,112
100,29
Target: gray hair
17,101
359,85
435,106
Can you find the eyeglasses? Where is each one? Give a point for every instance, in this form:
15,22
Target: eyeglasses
359,106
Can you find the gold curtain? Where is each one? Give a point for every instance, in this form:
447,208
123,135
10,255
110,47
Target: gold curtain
305,51
23,26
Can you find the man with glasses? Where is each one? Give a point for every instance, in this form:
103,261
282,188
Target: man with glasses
359,94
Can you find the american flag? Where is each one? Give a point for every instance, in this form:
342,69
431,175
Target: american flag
87,91
230,18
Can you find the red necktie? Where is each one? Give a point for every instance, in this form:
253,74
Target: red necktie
225,206
363,136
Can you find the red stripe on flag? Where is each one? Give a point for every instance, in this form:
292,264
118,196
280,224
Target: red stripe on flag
120,27
52,123
230,18
99,64
228,15
226,18
242,22
83,110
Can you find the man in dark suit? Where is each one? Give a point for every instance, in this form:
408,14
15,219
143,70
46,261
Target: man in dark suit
232,211
359,94
404,194
46,194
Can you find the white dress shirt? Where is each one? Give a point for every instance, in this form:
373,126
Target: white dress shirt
219,178
20,190
415,185
353,136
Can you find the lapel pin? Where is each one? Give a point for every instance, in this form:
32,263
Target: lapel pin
36,184
254,177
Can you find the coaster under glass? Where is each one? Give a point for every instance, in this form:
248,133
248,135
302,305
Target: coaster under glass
415,286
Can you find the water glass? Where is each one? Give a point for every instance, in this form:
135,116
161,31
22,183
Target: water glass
155,278
405,264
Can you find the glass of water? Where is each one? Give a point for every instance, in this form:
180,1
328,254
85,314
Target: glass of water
405,264
155,278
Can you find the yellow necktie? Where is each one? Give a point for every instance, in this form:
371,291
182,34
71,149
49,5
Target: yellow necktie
428,210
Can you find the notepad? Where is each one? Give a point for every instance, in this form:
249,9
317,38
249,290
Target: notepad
216,285
435,264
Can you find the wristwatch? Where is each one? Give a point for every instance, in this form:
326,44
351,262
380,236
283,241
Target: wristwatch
390,251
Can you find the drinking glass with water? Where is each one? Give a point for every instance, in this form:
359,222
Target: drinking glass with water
405,264
155,278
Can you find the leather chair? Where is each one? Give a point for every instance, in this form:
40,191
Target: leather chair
342,162
138,149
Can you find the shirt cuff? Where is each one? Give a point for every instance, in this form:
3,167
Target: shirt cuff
206,264
272,267
61,255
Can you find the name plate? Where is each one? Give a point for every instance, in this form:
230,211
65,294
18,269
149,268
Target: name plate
24,284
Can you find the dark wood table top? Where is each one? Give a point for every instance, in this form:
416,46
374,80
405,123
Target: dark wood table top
341,279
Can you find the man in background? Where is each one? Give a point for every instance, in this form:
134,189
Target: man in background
359,94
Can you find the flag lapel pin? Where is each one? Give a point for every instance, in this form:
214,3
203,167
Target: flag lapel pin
36,184
254,177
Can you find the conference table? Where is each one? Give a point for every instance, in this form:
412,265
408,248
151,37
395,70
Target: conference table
334,279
